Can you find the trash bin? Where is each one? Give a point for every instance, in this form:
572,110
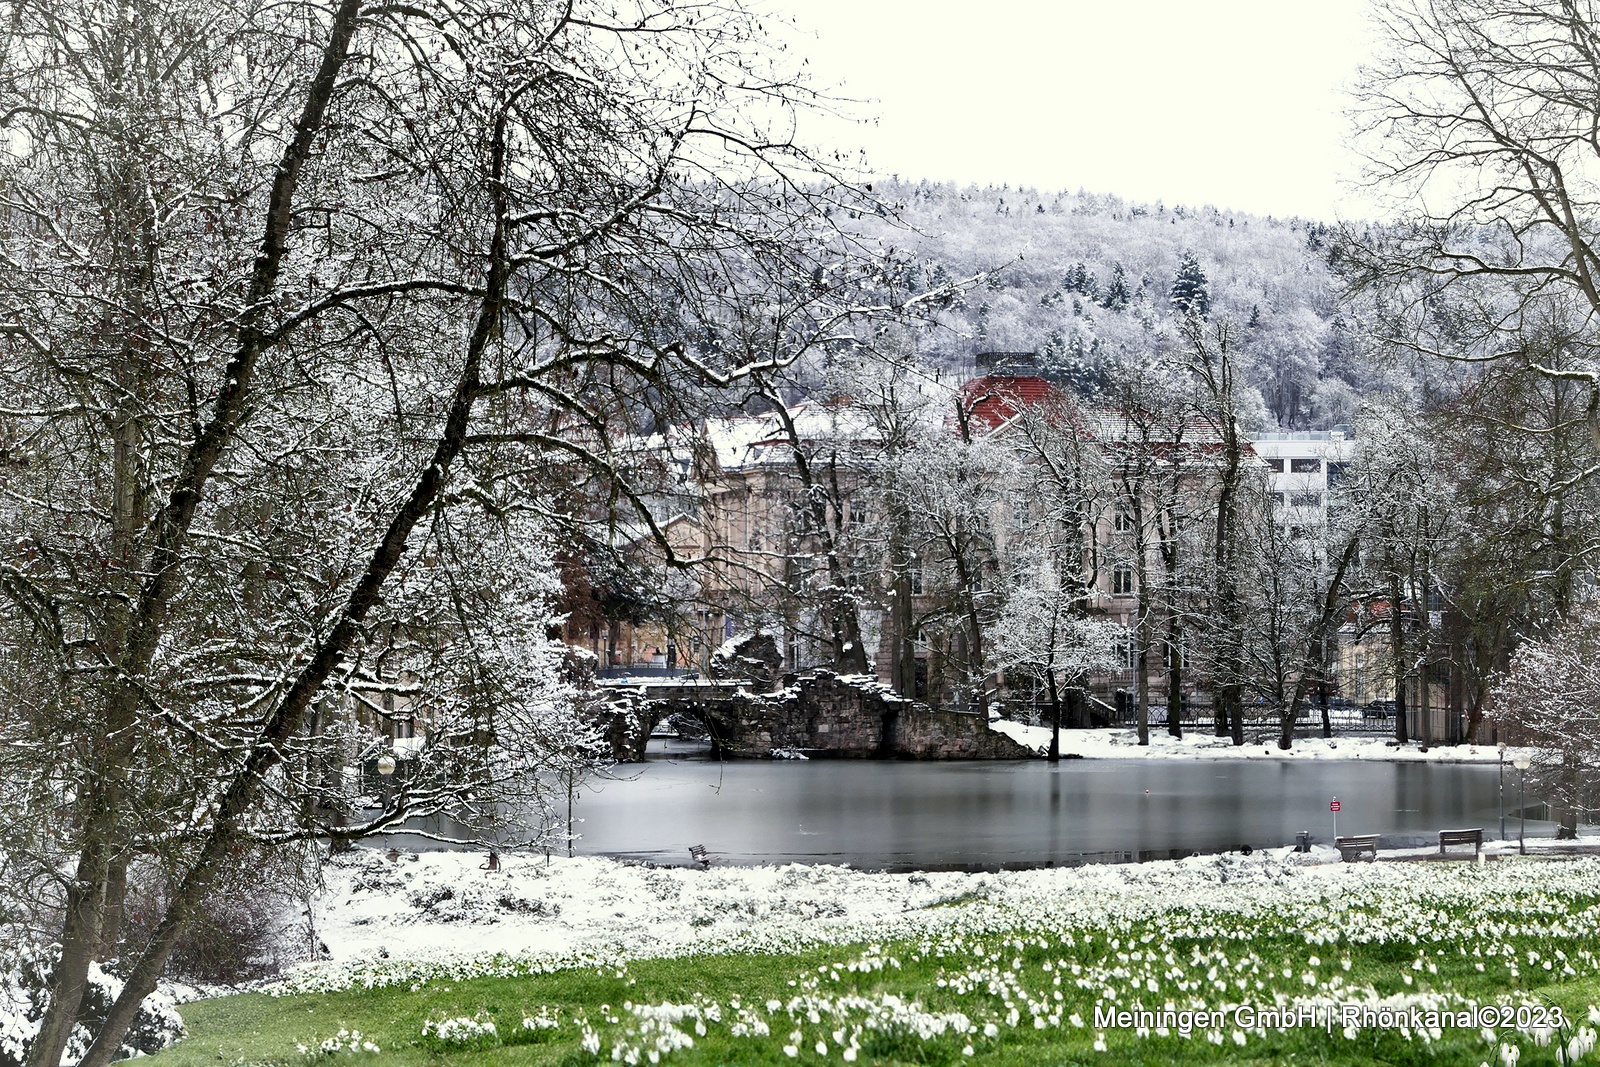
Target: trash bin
1302,841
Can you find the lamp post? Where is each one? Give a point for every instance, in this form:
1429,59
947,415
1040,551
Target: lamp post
1521,764
1502,765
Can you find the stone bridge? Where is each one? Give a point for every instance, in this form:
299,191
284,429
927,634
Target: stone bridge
818,714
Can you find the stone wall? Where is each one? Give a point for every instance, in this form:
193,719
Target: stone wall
920,732
825,715
821,715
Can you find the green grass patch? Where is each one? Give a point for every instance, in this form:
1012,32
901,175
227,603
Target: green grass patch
1012,985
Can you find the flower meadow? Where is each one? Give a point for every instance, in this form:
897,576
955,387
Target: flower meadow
1208,959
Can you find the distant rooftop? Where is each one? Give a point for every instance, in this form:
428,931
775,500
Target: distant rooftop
1338,433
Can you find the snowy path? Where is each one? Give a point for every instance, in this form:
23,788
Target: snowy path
1202,744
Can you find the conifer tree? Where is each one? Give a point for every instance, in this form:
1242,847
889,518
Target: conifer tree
1117,295
1191,292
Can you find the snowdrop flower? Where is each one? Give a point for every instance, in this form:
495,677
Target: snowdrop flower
966,1051
1509,1055
790,1051
1099,1042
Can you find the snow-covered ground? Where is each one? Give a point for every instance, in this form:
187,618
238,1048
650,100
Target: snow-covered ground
1263,744
439,915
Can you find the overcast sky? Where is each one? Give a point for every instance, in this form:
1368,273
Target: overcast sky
1236,103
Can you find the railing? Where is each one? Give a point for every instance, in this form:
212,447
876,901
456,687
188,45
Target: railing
648,671
1197,714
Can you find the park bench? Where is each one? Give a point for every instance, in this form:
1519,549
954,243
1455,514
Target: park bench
1461,837
699,855
1351,848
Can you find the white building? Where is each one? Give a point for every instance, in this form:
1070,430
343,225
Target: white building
1304,469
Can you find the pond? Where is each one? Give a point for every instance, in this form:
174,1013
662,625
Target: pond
974,815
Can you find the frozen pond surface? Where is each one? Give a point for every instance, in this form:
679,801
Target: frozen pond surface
977,815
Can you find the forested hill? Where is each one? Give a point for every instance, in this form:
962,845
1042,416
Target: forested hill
1085,279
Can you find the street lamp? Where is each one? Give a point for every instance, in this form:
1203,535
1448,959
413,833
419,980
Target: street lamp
1521,763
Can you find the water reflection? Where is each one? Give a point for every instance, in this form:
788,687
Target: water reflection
975,815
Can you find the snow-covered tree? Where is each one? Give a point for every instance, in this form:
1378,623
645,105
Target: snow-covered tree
284,289
1402,499
1042,633
1191,289
1550,699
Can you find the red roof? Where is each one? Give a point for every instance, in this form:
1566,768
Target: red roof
996,399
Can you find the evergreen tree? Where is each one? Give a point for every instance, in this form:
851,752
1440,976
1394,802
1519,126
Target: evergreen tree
1117,296
1191,292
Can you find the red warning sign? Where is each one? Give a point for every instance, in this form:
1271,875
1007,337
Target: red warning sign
1333,806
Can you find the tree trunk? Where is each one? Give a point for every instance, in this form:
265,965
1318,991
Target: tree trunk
1174,676
1424,624
1397,650
1055,717
1141,678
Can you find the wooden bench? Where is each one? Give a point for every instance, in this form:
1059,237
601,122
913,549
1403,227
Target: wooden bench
1461,837
1351,848
699,855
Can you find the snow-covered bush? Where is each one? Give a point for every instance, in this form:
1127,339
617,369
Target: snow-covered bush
24,976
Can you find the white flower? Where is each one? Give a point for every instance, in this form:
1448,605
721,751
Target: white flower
790,1051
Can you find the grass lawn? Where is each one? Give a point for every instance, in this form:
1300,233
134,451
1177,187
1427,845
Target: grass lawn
1018,986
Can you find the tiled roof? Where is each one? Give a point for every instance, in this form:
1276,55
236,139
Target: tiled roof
996,399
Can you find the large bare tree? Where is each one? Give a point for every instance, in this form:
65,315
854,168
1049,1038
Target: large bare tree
307,313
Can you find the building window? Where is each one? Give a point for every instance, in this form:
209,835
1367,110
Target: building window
916,578
1275,464
860,514
1336,473
1123,522
1305,466
1122,579
1305,500
1277,500
1021,510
